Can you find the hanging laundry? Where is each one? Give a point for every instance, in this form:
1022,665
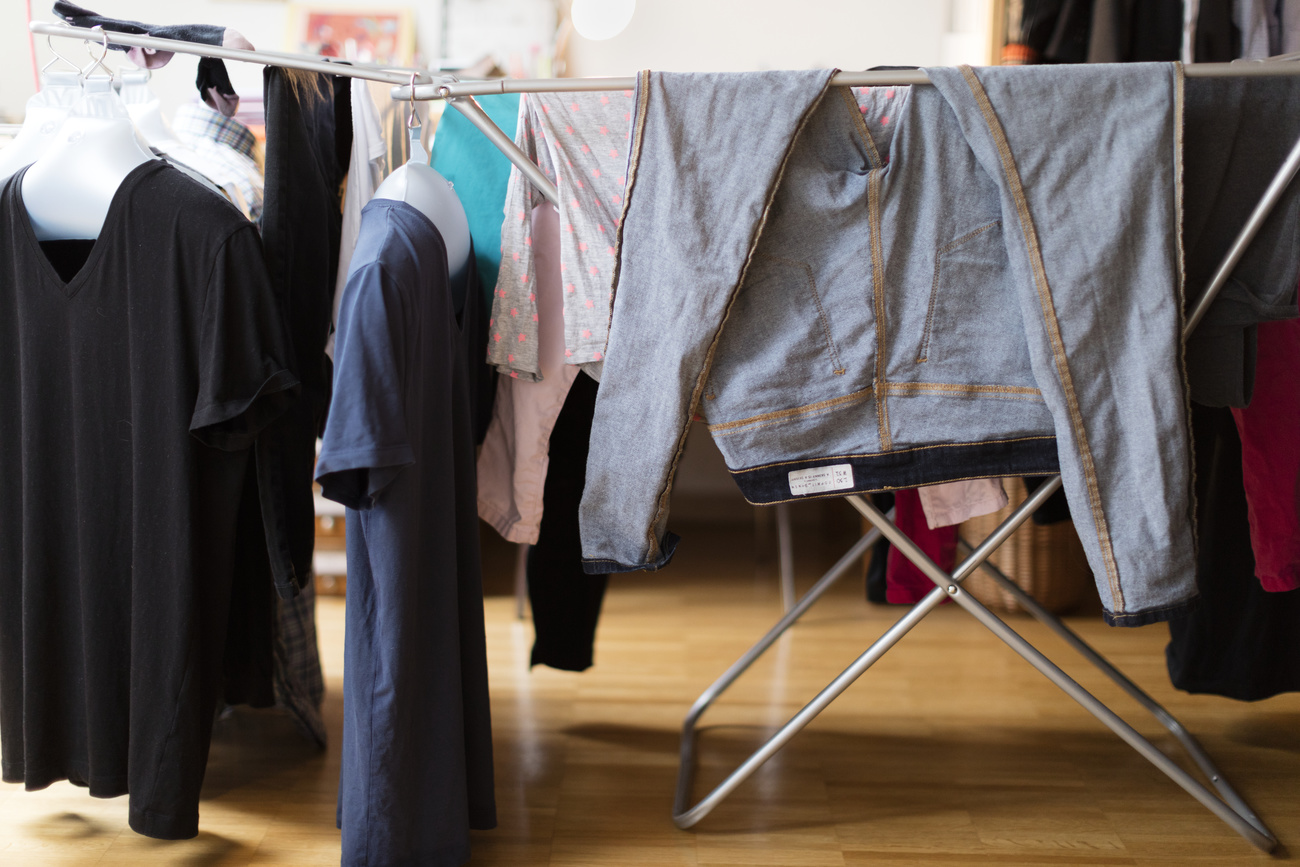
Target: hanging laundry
513,465
532,469
564,600
812,393
1289,20
1270,449
367,168
1215,38
1047,31
905,583
308,143
1238,133
1242,641
1129,31
213,82
480,174
950,504
580,141
398,452
156,360
226,148
1260,27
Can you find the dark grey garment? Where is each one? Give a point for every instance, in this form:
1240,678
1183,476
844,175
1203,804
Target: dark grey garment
398,451
308,139
1217,39
1239,131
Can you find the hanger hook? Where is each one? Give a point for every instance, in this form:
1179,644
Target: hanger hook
98,61
412,119
49,40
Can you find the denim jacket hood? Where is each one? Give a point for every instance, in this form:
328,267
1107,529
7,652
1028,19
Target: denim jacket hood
997,293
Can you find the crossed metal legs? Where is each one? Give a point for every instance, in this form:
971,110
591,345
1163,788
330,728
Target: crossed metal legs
1227,805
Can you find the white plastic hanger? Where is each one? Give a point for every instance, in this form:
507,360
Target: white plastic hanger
146,110
68,190
146,113
432,195
46,111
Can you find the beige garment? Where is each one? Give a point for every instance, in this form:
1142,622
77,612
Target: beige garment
512,464
954,502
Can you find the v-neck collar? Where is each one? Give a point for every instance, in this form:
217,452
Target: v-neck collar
18,213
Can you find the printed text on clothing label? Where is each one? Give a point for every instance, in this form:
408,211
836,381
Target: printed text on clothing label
819,479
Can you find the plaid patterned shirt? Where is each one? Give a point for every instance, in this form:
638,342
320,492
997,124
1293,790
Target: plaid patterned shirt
226,146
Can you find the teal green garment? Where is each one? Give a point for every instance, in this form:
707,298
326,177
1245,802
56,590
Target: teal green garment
479,171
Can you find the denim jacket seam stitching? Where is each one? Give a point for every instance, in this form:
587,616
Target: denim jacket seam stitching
1048,309
1179,133
702,378
795,412
634,162
878,299
904,387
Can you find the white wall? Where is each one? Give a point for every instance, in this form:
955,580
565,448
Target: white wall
734,35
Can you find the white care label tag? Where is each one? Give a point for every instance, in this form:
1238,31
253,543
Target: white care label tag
821,479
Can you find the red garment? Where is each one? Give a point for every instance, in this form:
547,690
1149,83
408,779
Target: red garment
904,583
1270,456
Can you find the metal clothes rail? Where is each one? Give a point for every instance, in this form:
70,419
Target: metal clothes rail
265,58
1227,804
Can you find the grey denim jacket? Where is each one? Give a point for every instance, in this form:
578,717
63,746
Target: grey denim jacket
998,293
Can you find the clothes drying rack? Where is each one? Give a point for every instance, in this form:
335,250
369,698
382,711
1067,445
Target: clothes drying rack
1223,801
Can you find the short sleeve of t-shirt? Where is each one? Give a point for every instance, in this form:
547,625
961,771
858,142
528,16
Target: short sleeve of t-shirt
244,377
366,443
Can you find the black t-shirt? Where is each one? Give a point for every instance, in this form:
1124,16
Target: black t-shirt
129,396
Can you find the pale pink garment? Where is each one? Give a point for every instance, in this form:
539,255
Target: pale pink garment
512,464
954,502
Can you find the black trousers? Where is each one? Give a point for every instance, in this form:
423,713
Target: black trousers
566,601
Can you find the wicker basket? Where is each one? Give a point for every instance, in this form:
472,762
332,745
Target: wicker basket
1046,562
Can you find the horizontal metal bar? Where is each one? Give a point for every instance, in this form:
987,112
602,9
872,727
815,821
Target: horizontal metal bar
884,78
447,89
265,58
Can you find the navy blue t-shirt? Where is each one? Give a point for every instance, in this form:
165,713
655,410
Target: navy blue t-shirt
398,451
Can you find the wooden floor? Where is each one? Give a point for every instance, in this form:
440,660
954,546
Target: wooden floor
950,751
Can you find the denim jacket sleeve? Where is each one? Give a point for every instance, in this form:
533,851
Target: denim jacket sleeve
676,280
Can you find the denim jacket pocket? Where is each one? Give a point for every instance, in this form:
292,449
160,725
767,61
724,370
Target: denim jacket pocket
781,297
973,328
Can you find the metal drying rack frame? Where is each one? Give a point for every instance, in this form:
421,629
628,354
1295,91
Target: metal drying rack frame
1227,804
